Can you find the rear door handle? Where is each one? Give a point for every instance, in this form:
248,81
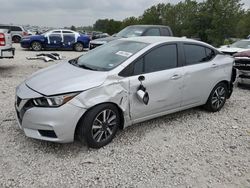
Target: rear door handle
176,77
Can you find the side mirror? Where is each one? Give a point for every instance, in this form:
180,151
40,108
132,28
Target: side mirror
143,96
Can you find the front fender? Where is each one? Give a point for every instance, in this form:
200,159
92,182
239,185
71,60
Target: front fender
116,93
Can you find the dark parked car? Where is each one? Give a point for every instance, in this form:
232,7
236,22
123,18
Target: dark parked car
134,31
56,39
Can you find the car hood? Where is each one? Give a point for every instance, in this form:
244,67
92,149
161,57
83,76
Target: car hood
105,40
33,37
64,78
231,49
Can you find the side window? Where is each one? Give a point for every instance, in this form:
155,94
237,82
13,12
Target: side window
194,54
4,27
210,54
138,67
56,32
165,32
14,28
152,32
68,32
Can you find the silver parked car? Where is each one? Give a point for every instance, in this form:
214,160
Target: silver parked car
119,84
17,32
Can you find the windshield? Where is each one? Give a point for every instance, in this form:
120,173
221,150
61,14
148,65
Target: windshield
131,32
241,44
108,56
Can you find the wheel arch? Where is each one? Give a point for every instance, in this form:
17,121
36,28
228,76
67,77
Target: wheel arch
116,105
228,84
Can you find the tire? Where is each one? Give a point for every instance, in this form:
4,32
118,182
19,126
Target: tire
36,46
217,98
97,131
78,47
16,39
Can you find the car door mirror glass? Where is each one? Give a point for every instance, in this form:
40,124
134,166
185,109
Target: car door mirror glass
143,96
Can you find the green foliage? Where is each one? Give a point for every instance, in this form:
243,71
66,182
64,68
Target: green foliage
73,28
211,21
107,26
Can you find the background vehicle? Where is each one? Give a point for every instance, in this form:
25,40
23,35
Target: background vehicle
17,32
134,31
56,39
239,46
100,35
6,50
242,64
122,83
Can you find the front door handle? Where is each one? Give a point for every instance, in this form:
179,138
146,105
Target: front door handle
176,77
214,65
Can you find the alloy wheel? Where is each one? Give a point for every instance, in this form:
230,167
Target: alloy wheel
36,46
104,125
78,47
219,97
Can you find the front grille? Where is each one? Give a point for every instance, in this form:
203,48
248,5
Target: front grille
20,110
18,100
242,64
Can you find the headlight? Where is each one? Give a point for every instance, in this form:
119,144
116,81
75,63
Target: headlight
25,39
54,101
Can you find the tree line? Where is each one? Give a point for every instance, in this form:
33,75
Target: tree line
211,21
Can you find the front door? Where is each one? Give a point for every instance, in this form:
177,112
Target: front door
163,82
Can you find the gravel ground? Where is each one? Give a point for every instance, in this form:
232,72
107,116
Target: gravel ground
192,148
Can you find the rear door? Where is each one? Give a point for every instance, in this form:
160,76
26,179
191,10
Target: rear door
69,38
54,39
200,73
163,82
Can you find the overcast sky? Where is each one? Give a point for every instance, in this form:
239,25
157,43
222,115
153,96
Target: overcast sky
59,13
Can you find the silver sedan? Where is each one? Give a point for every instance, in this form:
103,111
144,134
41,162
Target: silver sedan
119,84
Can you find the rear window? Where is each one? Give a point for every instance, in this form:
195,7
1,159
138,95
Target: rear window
165,32
197,54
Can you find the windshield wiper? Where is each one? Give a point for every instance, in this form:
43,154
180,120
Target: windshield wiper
75,63
87,67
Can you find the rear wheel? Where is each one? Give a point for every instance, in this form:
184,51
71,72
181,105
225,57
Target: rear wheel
36,46
78,47
99,125
217,97
16,39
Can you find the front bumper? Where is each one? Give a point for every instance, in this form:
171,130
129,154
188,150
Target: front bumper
50,124
7,53
243,67
94,45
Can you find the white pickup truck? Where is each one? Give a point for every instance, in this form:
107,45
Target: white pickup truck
6,50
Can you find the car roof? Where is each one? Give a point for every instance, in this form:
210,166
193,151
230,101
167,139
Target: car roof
148,26
163,39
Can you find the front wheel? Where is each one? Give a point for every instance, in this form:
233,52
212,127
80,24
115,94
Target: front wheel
99,125
36,46
217,97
